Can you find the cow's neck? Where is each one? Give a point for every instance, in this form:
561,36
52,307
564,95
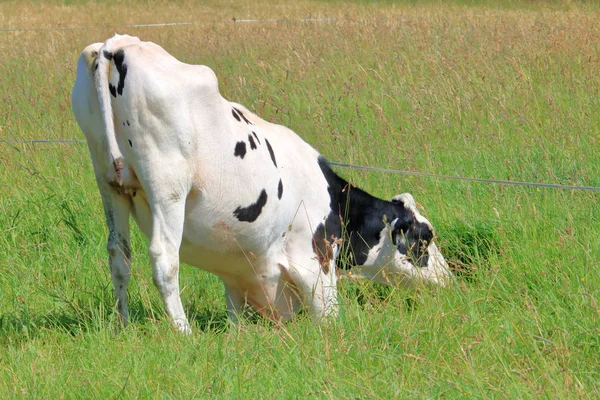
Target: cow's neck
356,216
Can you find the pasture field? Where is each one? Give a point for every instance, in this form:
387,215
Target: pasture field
504,90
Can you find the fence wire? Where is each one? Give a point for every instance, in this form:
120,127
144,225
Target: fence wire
469,179
382,170
166,24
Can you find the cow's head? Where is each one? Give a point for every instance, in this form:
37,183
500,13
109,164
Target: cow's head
411,232
406,253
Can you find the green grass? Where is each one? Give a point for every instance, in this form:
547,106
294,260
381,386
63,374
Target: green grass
505,92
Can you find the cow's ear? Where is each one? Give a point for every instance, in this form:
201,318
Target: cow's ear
402,223
404,199
397,199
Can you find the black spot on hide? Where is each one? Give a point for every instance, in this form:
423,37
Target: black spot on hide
108,55
252,144
256,136
271,153
241,114
113,90
235,114
240,149
119,59
251,213
130,144
280,190
414,243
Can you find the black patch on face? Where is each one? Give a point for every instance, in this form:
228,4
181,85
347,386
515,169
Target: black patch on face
256,136
241,114
362,217
271,152
240,149
251,213
280,190
119,58
108,55
252,144
113,90
235,114
415,244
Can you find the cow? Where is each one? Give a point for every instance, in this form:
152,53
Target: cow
213,185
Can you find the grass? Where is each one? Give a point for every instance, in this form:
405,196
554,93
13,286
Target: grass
505,90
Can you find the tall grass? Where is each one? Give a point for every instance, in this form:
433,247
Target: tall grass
506,91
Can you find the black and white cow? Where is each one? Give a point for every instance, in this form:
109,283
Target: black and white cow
215,186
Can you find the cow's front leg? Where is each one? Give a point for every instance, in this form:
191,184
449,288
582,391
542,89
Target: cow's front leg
167,231
318,286
117,209
237,307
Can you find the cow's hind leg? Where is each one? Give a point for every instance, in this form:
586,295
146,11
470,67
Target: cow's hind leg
167,230
117,209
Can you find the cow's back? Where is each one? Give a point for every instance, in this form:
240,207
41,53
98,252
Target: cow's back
169,115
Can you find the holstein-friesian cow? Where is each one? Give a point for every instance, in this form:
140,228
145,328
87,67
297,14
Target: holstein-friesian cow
215,186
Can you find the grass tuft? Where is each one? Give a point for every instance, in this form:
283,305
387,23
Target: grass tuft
469,246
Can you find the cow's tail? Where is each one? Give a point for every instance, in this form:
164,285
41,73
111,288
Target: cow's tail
101,78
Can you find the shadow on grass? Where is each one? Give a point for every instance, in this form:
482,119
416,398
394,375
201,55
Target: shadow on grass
366,294
468,247
22,325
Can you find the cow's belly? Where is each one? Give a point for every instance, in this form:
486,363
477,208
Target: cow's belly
209,243
262,284
241,268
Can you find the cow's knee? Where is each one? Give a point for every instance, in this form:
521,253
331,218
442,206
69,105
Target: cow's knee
324,303
165,266
165,275
119,250
319,292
